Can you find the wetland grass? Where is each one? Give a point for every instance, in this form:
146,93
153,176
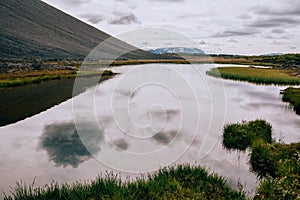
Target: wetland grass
276,164
180,182
13,80
257,75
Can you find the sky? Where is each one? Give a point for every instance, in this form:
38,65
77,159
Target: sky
217,26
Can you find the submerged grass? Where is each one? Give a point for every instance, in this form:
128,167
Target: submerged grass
180,182
257,75
292,95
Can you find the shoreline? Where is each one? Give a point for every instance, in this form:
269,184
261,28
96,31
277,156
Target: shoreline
59,83
265,76
17,72
30,99
268,76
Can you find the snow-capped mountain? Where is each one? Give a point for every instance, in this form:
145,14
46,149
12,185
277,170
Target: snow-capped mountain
177,50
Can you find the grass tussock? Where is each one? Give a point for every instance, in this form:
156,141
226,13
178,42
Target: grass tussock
292,95
240,136
276,164
257,75
181,182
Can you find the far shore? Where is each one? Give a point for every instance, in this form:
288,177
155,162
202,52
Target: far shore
267,76
26,91
30,99
19,72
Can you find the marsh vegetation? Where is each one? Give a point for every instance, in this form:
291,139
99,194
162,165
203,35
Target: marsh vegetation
257,75
180,182
276,164
19,79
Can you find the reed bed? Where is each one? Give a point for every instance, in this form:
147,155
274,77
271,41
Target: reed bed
257,75
180,182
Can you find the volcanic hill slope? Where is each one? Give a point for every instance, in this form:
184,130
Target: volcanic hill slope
34,29
31,30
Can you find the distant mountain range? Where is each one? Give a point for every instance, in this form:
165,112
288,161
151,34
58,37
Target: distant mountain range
34,29
177,50
272,54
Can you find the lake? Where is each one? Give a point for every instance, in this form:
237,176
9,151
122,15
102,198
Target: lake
148,117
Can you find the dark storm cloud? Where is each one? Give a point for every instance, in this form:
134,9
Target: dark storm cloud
292,9
260,18
274,22
65,147
245,16
284,37
278,31
125,19
202,42
232,41
170,1
271,17
276,42
230,33
75,2
93,18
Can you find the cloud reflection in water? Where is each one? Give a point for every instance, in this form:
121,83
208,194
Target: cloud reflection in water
65,147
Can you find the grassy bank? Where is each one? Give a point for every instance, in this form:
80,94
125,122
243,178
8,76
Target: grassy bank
292,95
282,61
276,164
257,75
29,99
181,182
26,72
18,79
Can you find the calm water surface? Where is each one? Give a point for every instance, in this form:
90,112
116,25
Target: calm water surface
141,126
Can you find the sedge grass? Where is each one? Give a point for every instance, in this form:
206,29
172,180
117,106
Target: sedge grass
30,78
256,75
276,164
180,182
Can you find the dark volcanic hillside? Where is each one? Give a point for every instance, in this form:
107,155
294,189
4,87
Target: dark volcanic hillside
34,29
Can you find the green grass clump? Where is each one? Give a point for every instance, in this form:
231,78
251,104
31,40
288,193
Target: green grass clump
278,165
240,136
285,184
181,182
281,188
256,75
236,137
292,95
270,159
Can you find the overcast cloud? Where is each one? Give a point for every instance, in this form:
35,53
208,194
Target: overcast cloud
218,26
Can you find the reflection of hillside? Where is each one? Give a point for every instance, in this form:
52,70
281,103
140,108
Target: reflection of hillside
65,147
